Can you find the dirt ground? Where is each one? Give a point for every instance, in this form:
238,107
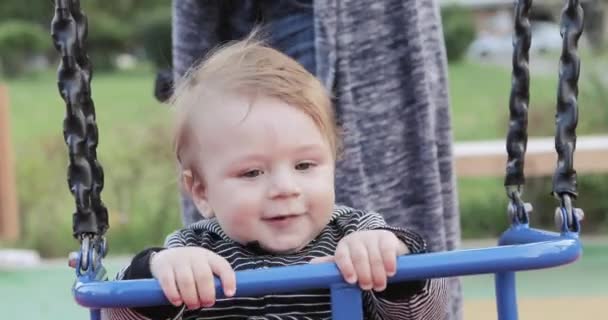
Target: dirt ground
562,308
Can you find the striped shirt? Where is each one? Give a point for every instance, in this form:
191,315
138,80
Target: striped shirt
425,299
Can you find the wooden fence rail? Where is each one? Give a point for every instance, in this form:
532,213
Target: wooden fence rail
488,158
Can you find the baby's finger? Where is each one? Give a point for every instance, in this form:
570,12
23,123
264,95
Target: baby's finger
166,279
186,286
376,265
345,264
360,259
221,268
389,255
205,286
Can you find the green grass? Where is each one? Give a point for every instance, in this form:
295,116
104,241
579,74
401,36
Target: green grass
477,116
122,99
479,97
480,102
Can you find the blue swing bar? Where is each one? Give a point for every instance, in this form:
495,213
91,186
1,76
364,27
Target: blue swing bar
520,248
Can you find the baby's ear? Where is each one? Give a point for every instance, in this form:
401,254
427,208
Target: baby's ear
196,188
187,181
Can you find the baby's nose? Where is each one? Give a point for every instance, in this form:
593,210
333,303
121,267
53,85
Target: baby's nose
284,185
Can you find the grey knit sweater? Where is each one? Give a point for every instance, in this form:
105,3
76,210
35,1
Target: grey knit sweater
386,63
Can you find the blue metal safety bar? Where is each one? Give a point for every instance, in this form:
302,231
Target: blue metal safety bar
521,248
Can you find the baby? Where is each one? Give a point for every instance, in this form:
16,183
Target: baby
257,144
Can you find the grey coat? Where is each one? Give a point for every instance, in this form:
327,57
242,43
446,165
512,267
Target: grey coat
386,63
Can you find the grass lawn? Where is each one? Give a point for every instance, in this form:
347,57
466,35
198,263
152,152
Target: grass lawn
480,102
121,99
479,96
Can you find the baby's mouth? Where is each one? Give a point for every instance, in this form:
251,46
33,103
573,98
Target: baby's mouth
281,220
281,217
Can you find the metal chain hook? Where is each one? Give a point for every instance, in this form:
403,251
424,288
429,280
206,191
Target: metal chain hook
567,217
92,249
518,210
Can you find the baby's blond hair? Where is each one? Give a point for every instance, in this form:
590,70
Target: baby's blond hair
249,68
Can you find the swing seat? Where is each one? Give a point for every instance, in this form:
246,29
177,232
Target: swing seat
520,248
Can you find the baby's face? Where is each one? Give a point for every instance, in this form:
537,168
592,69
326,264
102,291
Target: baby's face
268,172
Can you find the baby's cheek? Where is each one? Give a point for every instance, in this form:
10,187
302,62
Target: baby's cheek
237,226
321,194
242,213
234,197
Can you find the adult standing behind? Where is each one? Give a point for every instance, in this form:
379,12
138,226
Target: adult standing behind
386,65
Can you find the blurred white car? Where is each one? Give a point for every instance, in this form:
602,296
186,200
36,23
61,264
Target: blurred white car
545,38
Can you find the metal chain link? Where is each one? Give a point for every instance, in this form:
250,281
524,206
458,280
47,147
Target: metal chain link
564,179
517,136
85,174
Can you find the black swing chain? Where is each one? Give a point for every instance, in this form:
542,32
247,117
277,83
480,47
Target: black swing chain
517,136
85,174
564,179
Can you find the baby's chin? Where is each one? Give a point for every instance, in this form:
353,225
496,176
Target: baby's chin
283,247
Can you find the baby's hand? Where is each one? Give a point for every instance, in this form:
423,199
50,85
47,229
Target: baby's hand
367,257
186,275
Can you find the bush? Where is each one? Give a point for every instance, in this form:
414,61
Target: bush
154,34
483,205
140,193
107,37
20,41
458,31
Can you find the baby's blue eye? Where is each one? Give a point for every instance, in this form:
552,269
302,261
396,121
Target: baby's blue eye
304,165
252,173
